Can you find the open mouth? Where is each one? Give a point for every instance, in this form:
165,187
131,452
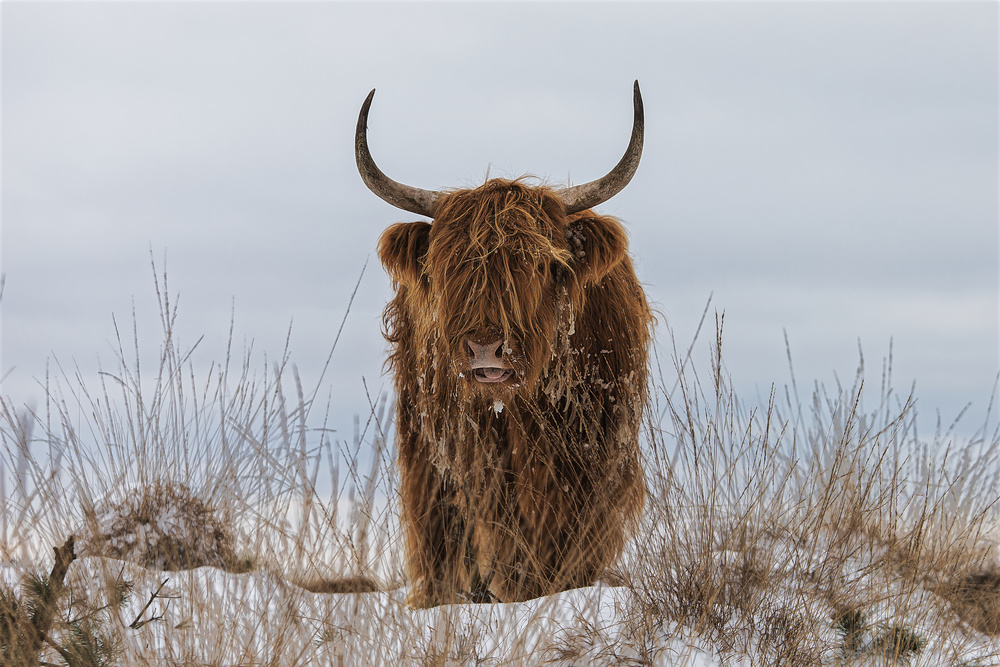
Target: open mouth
490,374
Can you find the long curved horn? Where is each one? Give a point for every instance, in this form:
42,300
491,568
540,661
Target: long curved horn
414,200
588,195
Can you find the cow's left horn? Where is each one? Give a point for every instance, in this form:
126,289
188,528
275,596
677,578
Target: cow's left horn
414,200
581,197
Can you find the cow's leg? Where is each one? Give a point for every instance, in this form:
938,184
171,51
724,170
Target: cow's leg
479,588
517,541
435,548
478,585
561,532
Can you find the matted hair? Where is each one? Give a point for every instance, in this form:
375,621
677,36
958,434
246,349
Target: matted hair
530,485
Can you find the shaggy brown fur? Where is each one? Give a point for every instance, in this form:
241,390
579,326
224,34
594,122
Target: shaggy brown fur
527,487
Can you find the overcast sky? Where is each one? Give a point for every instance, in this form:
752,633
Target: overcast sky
828,169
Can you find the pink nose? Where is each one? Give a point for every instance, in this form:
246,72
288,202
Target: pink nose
483,356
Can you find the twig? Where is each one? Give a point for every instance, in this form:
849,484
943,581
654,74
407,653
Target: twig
41,621
136,624
63,652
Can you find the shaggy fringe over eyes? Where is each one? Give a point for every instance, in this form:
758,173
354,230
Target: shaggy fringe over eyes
492,261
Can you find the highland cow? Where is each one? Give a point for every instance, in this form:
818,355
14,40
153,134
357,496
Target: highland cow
519,339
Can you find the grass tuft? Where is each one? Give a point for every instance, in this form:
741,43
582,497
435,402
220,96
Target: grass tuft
899,643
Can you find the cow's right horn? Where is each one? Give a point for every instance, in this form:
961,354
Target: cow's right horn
408,198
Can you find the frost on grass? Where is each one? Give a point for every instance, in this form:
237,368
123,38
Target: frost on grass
162,526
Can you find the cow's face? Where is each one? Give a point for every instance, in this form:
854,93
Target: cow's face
494,277
487,286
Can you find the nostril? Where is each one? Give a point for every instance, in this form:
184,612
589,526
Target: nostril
491,353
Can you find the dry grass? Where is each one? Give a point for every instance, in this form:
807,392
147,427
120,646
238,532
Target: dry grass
772,527
218,523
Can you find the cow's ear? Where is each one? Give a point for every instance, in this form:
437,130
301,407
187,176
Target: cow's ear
598,243
402,249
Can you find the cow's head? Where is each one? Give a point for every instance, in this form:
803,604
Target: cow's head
502,266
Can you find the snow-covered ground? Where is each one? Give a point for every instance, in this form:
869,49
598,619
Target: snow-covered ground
208,616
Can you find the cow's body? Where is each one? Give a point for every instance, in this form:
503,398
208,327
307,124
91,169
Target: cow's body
520,339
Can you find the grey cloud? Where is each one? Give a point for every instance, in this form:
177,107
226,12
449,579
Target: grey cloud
840,149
